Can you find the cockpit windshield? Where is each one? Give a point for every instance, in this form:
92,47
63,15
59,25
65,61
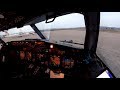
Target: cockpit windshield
67,29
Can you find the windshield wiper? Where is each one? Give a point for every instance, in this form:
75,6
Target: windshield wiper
1,41
71,41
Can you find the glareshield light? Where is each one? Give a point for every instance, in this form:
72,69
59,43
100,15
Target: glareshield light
51,46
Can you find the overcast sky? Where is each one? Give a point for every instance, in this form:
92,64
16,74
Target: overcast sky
109,19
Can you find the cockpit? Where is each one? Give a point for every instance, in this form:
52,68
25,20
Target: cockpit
41,57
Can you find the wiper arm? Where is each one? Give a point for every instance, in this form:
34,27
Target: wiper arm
71,41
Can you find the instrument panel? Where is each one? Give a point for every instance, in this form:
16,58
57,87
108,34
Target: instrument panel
35,58
36,50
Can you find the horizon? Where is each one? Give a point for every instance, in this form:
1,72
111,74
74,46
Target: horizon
74,20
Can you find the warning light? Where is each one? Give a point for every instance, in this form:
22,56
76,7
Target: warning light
51,46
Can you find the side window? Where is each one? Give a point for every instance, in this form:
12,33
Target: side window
109,41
